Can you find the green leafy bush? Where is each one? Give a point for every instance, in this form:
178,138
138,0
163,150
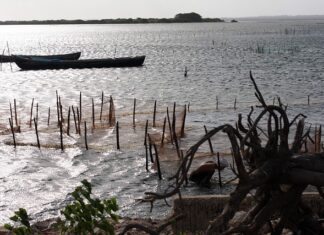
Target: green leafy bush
22,224
86,215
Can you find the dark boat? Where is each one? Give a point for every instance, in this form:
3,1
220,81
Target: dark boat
70,56
36,64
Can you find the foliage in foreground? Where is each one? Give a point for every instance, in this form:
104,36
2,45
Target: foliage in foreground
87,215
22,224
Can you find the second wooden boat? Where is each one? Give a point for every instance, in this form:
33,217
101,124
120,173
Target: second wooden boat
69,56
37,64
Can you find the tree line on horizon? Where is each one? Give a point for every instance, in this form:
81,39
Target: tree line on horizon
179,18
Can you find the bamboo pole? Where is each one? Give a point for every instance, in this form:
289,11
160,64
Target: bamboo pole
80,105
16,116
85,135
78,118
101,107
68,122
146,158
11,115
13,132
150,148
36,112
216,103
134,111
61,135
154,113
117,135
157,162
145,134
49,116
93,115
57,109
163,133
219,171
170,128
61,111
75,120
183,121
209,141
36,130
31,113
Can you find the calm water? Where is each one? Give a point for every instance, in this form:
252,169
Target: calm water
286,58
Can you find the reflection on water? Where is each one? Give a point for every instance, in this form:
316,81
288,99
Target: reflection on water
285,57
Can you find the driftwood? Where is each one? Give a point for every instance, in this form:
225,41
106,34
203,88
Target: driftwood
270,168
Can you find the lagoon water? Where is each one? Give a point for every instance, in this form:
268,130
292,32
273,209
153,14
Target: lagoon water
286,58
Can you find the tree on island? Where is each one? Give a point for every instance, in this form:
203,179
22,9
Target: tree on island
188,17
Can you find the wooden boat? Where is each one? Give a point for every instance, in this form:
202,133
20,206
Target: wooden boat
36,64
70,56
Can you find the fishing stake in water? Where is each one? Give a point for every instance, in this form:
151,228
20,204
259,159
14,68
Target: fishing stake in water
117,135
154,113
36,130
85,135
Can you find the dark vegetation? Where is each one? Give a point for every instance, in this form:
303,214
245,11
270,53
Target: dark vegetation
84,215
179,18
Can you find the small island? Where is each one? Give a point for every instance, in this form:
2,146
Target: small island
179,18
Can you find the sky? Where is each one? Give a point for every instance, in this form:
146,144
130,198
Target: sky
110,9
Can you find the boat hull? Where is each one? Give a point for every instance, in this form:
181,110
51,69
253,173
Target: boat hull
70,56
40,64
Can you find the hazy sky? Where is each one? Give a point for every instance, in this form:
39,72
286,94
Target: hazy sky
98,9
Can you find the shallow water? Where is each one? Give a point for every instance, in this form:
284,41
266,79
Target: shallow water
286,59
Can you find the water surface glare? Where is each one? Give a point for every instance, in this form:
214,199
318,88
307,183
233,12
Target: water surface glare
286,58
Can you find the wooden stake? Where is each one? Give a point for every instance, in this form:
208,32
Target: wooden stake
49,116
235,104
57,109
117,135
75,120
145,134
93,114
170,128
13,132
16,116
37,112
36,130
150,148
102,101
157,162
134,110
154,113
183,121
68,122
79,123
85,135
61,111
308,100
146,158
110,111
209,141
80,105
216,103
61,135
219,171
11,115
31,113
188,107
163,133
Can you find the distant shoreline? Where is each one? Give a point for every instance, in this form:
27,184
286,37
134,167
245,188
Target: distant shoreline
111,21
